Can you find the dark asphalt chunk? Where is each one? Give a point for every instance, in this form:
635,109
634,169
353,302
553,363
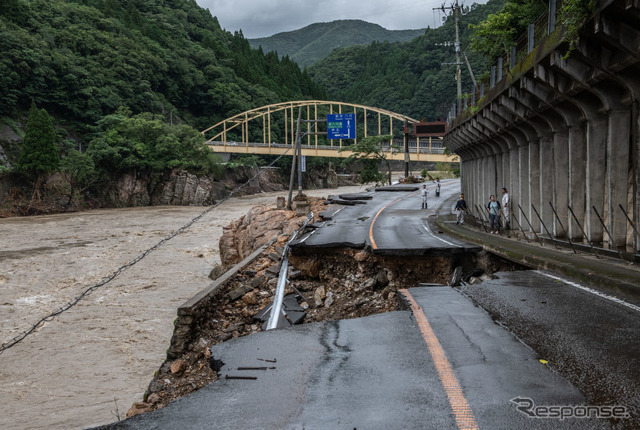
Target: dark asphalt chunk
356,196
399,188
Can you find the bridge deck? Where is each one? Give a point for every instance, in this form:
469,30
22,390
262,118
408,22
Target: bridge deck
421,153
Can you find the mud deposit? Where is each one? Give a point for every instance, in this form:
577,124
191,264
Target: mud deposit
87,366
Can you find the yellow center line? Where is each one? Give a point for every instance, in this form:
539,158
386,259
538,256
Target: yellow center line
373,221
463,414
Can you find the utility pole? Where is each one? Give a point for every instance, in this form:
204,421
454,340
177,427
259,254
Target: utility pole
456,8
293,160
405,131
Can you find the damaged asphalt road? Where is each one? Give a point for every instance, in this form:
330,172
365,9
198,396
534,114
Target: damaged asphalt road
391,222
371,373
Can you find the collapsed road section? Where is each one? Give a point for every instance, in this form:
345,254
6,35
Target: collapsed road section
324,285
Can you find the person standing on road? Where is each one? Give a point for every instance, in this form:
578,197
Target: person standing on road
424,192
461,207
505,209
438,187
494,215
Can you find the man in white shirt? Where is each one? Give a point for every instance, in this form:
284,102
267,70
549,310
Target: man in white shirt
505,208
424,193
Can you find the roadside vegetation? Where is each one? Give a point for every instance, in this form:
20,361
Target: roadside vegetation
496,35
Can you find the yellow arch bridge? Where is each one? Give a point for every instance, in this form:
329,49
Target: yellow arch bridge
271,129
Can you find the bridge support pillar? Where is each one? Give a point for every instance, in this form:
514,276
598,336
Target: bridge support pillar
547,179
617,171
523,191
513,181
596,152
534,183
577,179
561,184
634,200
500,172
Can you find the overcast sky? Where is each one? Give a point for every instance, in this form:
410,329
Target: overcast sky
261,18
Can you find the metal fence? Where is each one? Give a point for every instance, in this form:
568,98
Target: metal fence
543,235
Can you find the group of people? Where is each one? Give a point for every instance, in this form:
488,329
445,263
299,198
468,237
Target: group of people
494,208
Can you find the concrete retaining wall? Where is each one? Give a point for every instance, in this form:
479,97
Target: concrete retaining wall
196,307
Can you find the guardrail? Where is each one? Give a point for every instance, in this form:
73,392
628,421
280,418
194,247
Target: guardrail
276,308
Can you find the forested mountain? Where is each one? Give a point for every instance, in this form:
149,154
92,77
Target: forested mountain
409,77
316,41
83,59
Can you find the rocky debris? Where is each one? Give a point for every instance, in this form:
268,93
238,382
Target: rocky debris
238,292
329,300
216,272
274,257
153,399
361,256
368,284
178,367
381,279
250,298
319,295
139,408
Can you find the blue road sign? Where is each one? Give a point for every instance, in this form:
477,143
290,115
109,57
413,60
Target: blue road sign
341,126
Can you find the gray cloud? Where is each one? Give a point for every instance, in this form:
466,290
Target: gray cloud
260,18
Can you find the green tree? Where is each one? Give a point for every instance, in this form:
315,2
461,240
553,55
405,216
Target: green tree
145,144
494,36
372,148
40,156
79,171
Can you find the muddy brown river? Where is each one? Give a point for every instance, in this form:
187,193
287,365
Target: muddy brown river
88,365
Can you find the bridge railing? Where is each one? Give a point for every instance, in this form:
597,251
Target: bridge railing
421,146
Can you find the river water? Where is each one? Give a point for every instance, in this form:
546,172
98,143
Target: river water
88,365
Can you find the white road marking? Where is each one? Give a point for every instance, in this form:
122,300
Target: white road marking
590,290
336,212
426,227
307,237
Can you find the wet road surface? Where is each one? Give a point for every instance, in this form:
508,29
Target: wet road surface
374,373
390,223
